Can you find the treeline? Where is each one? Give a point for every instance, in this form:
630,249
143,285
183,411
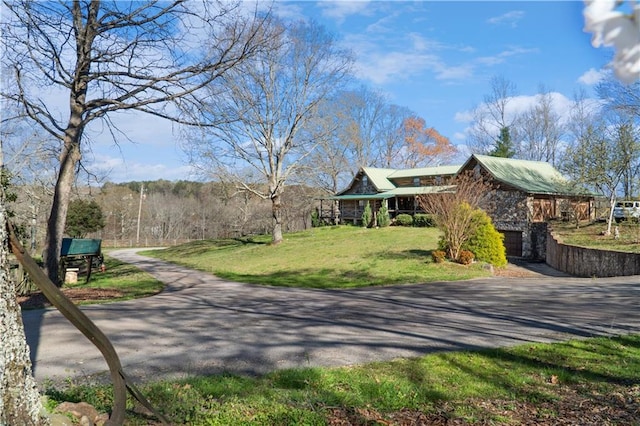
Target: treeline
162,212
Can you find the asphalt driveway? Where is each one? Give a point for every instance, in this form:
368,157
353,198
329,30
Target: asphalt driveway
201,324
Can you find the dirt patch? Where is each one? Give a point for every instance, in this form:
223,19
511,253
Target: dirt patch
37,300
574,406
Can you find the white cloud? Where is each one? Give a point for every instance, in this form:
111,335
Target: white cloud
592,77
340,10
510,18
502,56
118,169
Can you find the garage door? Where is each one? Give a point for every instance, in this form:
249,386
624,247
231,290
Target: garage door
513,242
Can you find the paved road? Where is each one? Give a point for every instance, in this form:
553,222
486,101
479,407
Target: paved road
201,324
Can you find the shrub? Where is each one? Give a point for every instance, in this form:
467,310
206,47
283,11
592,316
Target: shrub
438,256
422,220
465,257
485,242
367,216
404,220
383,216
315,219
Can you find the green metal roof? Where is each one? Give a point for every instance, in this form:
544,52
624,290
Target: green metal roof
534,177
419,190
379,177
425,171
396,192
380,196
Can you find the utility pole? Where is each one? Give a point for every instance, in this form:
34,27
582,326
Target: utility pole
139,214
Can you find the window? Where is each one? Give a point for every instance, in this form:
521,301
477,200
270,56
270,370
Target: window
365,180
438,180
416,181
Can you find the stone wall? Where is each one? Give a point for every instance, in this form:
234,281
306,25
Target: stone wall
585,262
509,211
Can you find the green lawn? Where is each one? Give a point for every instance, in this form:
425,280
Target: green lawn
130,281
592,235
329,257
543,382
528,384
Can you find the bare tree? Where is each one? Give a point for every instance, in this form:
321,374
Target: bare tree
106,57
265,106
599,159
392,139
623,98
492,115
329,166
539,130
453,209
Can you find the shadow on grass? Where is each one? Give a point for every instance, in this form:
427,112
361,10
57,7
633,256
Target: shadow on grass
324,278
423,255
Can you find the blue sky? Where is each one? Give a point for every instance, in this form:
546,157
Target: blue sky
436,58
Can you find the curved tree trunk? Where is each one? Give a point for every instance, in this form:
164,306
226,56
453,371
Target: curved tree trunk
19,398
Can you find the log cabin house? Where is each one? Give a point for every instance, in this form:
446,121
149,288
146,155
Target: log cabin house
525,196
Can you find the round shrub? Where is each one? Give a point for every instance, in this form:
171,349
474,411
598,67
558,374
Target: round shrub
465,257
438,256
422,220
404,219
485,242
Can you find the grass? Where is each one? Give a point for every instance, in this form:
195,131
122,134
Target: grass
527,384
489,387
120,281
592,235
127,279
329,257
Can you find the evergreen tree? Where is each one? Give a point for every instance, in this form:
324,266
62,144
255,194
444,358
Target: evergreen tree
83,217
383,216
367,216
504,145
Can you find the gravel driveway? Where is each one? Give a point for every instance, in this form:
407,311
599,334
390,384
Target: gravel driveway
201,324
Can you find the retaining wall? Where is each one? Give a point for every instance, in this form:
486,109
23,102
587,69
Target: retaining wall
586,262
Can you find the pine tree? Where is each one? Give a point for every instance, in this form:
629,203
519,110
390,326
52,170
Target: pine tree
504,145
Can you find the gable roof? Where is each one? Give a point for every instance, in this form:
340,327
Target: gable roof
378,178
534,177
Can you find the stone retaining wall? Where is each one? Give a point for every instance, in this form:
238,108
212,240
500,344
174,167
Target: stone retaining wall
586,262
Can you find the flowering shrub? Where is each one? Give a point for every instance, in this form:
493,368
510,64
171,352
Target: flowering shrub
613,27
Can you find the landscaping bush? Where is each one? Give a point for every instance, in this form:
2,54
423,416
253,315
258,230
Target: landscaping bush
404,220
367,216
465,257
315,219
438,256
422,220
485,242
383,217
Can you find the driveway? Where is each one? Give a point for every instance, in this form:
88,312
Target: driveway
202,324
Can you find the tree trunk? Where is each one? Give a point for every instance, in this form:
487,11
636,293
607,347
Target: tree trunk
19,398
276,212
58,216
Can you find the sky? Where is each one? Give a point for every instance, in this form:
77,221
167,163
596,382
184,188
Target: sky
435,58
